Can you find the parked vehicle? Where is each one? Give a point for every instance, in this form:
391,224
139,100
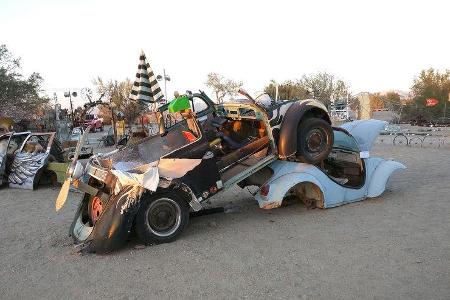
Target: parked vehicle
70,144
203,149
94,122
108,139
10,145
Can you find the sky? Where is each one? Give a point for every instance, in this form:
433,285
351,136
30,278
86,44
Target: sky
373,45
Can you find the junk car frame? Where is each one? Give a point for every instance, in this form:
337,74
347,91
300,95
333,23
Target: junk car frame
24,157
152,186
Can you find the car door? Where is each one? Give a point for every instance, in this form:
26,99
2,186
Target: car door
30,161
346,167
4,144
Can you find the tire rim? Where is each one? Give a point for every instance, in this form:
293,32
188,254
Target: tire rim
315,141
96,209
163,217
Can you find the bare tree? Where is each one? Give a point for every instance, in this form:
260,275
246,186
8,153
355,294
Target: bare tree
222,86
119,92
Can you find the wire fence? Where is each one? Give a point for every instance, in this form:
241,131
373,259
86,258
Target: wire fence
416,139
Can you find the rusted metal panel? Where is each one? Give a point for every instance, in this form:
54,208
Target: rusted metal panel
271,205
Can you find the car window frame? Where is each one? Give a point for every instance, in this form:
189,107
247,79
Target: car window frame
358,150
49,144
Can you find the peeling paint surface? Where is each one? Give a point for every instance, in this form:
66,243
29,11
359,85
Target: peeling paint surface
176,168
272,205
148,175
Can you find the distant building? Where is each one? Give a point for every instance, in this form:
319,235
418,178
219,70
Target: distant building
365,110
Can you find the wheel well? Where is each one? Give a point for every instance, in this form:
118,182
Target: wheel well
309,193
316,112
295,115
176,189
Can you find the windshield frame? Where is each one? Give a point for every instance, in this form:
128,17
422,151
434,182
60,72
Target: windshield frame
210,107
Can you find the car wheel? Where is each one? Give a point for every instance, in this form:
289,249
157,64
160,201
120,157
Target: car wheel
314,140
161,217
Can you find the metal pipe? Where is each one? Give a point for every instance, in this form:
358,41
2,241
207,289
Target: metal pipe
165,84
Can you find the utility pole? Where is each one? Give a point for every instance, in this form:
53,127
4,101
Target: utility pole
71,109
276,92
347,107
166,78
69,95
165,83
445,105
113,119
55,98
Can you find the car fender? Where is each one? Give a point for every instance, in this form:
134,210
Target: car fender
280,186
113,227
287,143
380,176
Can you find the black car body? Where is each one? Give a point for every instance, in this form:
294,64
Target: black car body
154,184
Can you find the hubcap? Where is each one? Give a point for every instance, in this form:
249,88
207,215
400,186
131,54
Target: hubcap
164,217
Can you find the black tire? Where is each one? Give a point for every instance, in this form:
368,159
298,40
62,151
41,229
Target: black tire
161,217
314,140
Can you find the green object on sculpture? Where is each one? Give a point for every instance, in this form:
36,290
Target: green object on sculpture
179,104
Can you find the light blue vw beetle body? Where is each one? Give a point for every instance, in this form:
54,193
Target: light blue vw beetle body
348,175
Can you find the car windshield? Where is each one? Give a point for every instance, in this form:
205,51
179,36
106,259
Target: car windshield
344,141
155,147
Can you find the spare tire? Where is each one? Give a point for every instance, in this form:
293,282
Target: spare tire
314,140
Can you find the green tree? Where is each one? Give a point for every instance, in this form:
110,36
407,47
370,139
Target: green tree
391,101
222,86
288,90
19,97
325,87
431,84
322,86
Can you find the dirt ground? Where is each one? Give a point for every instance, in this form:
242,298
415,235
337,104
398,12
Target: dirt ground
396,246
